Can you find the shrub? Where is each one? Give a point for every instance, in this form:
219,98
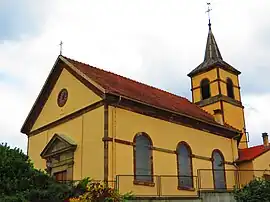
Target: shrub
258,190
100,192
20,181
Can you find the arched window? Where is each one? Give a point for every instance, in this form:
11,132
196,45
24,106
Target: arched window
184,161
229,85
205,89
218,170
143,159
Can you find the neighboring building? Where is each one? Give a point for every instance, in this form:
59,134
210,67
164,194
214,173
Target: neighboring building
87,122
255,161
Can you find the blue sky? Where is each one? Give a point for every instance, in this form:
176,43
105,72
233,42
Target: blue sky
19,18
156,42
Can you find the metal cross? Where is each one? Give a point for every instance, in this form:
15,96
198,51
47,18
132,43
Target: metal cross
208,11
61,47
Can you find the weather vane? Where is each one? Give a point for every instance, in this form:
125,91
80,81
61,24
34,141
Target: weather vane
61,47
208,11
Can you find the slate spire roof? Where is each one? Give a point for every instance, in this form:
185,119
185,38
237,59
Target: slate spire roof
212,57
211,50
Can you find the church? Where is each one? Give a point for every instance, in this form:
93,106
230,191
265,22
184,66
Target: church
88,122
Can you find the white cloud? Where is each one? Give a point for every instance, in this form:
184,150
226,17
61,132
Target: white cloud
157,42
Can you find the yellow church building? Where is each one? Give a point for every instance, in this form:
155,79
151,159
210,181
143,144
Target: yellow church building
88,122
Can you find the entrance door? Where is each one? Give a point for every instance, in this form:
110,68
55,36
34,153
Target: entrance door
61,176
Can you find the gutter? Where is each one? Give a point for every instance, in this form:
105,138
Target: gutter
194,118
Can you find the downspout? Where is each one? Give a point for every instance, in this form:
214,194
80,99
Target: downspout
237,175
235,165
113,139
106,149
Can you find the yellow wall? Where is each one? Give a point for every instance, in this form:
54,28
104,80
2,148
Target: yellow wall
234,116
79,96
262,163
223,76
254,168
36,144
210,108
211,75
127,124
87,131
246,173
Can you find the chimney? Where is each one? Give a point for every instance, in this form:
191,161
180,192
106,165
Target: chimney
218,116
265,139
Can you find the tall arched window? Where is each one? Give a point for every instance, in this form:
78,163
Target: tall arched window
219,175
229,85
184,161
143,159
205,89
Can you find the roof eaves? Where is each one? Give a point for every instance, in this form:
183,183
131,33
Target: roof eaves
179,113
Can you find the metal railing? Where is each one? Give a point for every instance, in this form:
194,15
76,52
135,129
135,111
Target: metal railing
190,186
226,180
158,185
168,186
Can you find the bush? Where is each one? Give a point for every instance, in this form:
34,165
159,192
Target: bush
20,182
100,192
258,190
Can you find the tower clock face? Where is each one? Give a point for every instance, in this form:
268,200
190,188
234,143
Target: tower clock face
62,97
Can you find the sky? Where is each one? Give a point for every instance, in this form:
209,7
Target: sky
157,42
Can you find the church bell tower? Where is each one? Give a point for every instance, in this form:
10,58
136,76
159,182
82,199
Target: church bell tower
215,86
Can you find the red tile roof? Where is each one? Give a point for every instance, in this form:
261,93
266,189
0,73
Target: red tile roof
251,153
120,85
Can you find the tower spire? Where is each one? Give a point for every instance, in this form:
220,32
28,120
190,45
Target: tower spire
212,54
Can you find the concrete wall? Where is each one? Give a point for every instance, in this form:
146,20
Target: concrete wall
205,197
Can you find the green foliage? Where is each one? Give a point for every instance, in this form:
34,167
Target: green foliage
258,190
20,182
100,192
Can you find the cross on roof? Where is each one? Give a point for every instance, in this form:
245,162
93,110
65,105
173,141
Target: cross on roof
61,47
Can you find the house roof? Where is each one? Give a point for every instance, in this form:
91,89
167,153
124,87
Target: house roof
248,154
110,83
212,57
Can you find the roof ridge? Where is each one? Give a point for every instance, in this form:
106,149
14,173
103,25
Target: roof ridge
153,87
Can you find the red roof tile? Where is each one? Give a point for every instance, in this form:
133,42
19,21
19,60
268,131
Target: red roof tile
120,85
251,153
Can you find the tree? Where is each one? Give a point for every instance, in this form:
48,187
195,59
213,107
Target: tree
21,182
258,190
